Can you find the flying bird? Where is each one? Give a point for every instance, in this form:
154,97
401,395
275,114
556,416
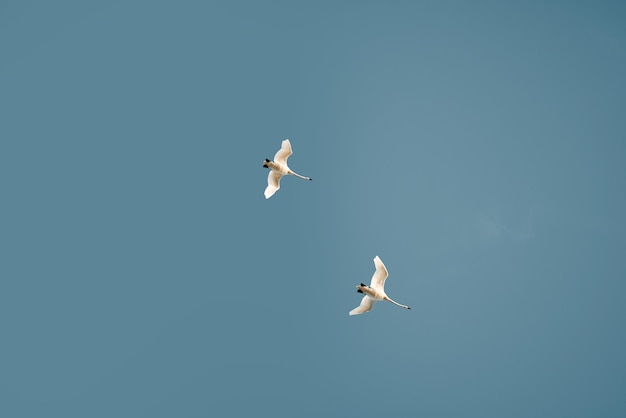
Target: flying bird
375,291
279,168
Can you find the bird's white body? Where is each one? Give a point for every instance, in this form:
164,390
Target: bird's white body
375,291
279,168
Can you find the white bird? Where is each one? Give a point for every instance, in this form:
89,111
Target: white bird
279,168
375,291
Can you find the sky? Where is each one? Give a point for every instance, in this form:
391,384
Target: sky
477,147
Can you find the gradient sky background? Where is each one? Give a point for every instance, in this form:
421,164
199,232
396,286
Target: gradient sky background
477,147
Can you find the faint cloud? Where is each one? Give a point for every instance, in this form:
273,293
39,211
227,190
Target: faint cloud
482,228
492,227
489,228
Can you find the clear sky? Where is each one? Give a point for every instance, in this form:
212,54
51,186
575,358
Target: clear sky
478,148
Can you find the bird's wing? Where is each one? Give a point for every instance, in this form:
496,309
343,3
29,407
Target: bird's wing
273,183
283,153
367,303
380,275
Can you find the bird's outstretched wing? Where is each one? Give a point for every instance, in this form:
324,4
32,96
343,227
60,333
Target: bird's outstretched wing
283,153
367,303
380,275
273,183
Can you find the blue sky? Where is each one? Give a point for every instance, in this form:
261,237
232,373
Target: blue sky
478,149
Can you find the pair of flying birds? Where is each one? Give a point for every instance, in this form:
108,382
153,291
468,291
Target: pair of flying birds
376,290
